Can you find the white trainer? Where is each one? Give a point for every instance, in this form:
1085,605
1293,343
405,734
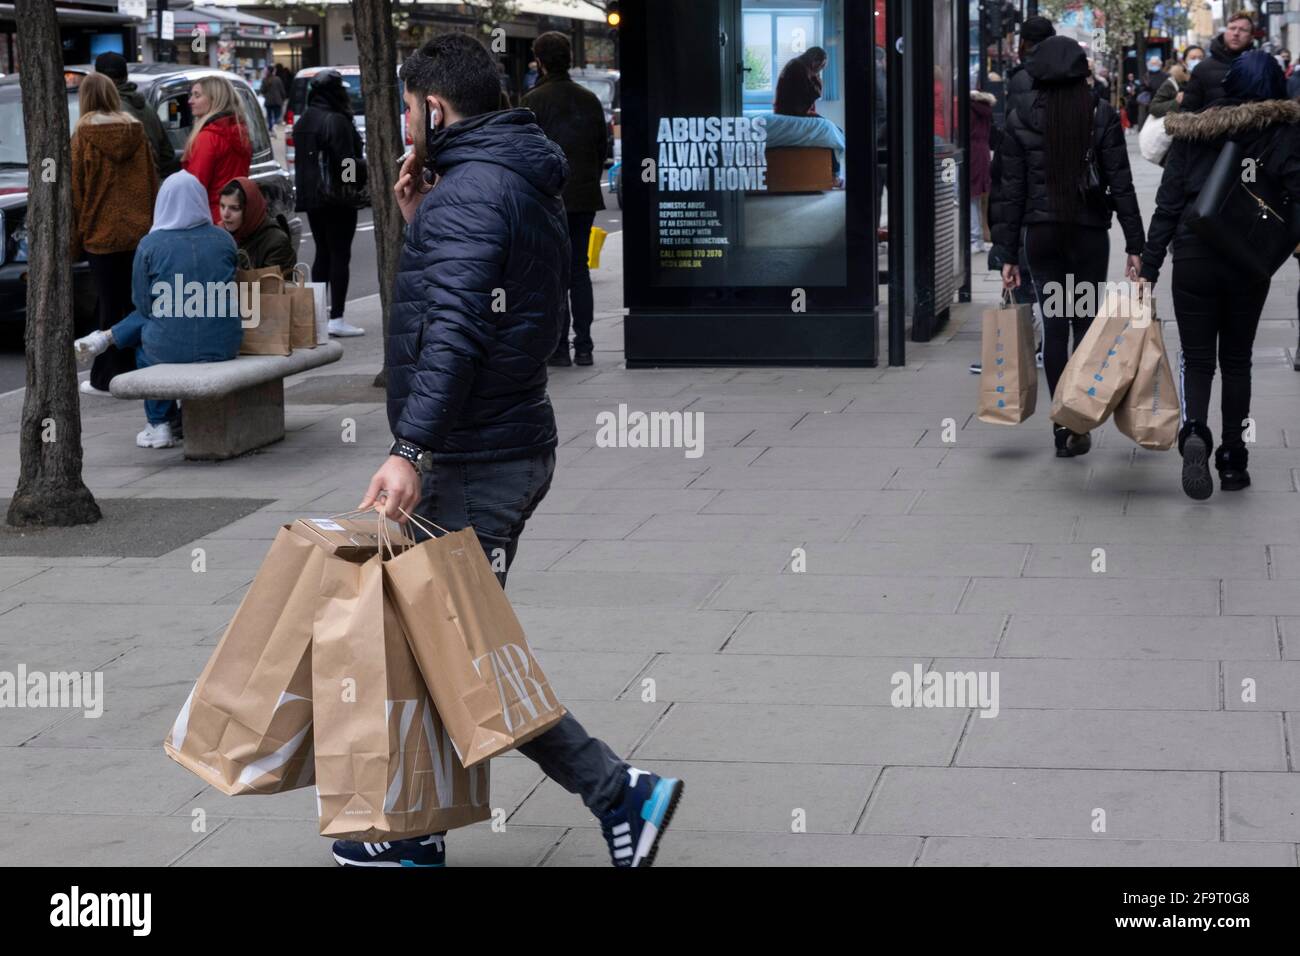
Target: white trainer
156,436
87,389
343,330
88,346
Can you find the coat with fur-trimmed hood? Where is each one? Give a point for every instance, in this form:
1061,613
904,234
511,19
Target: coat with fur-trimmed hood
1270,132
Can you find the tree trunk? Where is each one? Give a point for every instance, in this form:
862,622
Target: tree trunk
377,47
50,490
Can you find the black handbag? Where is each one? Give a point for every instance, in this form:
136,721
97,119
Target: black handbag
1253,224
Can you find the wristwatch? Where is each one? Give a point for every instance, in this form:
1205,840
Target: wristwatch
421,458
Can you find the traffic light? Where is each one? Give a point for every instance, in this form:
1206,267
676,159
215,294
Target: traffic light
612,16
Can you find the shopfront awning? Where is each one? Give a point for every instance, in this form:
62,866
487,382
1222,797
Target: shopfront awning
574,9
72,17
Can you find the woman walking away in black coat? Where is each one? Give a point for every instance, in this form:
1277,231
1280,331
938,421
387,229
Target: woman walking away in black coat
325,130
1064,166
1216,306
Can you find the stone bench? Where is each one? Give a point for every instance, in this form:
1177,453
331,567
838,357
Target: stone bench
229,407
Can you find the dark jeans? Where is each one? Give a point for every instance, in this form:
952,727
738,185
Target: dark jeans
497,498
582,304
111,275
273,114
332,229
1058,254
1214,308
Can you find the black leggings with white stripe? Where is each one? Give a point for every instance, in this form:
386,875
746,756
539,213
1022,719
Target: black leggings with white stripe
1061,256
1216,310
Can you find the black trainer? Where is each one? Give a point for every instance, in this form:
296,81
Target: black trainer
1197,483
1070,444
583,358
560,360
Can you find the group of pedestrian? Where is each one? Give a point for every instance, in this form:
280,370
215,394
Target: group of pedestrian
1062,171
136,219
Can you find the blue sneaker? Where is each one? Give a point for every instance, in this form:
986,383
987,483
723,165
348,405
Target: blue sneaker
633,828
419,851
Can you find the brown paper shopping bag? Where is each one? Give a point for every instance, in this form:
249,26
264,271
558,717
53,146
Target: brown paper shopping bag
268,330
246,727
1009,376
385,767
1104,365
485,681
1149,413
302,323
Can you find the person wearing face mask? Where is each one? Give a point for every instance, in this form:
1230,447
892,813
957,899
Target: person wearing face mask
1168,98
1206,85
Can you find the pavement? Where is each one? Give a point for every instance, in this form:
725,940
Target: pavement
738,619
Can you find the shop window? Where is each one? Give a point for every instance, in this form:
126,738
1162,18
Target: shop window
256,122
772,38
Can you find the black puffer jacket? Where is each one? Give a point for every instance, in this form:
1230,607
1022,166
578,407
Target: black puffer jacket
1020,88
326,125
1206,85
1271,132
1023,197
466,362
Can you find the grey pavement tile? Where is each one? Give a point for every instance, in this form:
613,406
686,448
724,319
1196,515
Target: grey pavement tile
1223,506
1009,851
16,573
590,675
582,526
939,531
1096,685
704,557
1261,685
846,455
626,629
1038,804
40,780
1130,560
575,589
868,635
1141,637
734,796
1262,807
772,679
795,478
714,849
771,733
1118,596
144,689
630,501
131,586
967,501
1126,739
833,431
715,453
849,593
121,623
1289,627
1203,523
1261,597
956,559
780,528
93,839
1285,559
822,503
217,553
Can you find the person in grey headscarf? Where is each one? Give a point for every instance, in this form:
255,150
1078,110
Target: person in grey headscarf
181,281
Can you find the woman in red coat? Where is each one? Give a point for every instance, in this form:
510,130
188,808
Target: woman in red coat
218,149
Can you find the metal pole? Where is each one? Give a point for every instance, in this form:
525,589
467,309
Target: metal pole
963,142
895,11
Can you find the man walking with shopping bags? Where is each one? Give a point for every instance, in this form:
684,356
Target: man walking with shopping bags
477,310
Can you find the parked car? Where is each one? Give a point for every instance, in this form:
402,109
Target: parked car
166,88
605,84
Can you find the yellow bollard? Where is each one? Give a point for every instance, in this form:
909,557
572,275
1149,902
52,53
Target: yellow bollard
594,246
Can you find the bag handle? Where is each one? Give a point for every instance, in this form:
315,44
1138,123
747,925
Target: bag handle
423,525
301,270
273,278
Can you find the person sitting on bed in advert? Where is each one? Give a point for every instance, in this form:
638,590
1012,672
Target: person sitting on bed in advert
798,89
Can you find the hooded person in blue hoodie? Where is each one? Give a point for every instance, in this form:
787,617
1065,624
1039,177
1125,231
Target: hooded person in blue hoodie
478,306
170,324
